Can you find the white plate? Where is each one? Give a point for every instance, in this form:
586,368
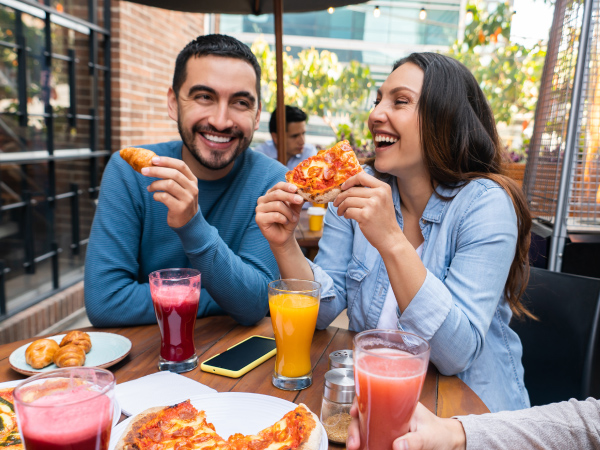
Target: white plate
107,349
233,412
117,407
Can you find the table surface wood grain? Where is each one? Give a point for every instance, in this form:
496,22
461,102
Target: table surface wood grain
445,396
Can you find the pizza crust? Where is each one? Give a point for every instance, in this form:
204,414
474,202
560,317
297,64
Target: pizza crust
313,440
321,197
139,420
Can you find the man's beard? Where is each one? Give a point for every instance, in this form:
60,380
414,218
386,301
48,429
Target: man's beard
217,160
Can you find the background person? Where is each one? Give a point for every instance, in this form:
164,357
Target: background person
297,148
572,425
194,207
438,244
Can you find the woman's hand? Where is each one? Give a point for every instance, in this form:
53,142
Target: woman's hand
177,189
277,213
426,432
373,209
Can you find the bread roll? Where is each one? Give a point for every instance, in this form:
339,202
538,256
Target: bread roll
80,338
40,353
138,158
69,356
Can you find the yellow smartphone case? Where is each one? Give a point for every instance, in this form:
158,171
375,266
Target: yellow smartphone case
207,367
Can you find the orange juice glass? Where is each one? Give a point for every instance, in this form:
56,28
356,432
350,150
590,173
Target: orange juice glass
294,306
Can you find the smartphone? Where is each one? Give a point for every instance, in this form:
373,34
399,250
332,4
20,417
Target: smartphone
241,358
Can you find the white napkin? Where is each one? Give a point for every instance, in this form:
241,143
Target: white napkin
158,389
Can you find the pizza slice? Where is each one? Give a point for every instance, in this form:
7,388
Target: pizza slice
10,437
182,426
320,177
138,158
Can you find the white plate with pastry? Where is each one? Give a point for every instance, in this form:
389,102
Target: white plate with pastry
106,349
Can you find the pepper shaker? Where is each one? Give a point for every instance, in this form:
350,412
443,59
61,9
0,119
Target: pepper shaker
338,395
341,359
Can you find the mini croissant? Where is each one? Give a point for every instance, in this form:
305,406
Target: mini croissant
138,158
40,353
80,338
69,356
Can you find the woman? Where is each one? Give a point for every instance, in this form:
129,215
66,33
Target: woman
437,244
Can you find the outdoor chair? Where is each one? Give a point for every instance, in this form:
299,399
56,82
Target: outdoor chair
561,351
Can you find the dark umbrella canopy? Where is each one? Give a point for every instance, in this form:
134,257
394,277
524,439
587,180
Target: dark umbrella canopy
245,6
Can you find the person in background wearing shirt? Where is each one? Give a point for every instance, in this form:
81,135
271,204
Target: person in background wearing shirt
195,206
295,134
438,243
572,425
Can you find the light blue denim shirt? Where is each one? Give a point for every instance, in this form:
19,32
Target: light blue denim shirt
460,309
268,148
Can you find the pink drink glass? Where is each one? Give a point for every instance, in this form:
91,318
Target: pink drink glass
389,371
66,409
175,295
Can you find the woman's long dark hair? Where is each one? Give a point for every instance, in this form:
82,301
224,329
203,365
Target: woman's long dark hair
460,143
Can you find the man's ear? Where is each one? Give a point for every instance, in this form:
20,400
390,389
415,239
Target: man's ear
172,108
274,136
257,121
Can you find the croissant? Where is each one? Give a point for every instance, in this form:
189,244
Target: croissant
69,356
40,353
138,158
76,337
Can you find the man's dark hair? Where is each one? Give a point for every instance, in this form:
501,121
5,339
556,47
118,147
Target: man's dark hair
292,114
215,45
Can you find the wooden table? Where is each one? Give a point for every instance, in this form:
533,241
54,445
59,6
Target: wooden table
445,396
306,238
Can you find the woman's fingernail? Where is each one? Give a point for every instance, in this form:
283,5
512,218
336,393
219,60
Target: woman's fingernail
402,445
145,170
350,441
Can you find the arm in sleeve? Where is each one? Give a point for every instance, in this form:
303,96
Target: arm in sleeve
113,295
236,282
456,313
572,425
335,252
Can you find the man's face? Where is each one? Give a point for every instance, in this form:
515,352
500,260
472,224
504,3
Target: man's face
217,110
295,137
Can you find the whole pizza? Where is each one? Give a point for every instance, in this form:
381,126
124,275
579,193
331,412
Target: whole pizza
182,427
9,432
320,177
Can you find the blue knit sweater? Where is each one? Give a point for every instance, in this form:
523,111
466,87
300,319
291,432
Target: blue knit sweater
130,238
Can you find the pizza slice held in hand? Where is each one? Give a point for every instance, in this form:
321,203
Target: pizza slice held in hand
138,158
182,426
320,177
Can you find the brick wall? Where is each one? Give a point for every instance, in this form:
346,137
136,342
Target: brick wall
145,43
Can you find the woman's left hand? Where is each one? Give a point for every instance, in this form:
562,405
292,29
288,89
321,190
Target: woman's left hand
373,209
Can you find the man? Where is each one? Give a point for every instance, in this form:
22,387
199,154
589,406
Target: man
195,206
297,149
572,425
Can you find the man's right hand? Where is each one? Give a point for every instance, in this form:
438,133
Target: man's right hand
277,213
177,189
426,432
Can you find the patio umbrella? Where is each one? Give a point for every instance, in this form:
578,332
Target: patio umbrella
257,7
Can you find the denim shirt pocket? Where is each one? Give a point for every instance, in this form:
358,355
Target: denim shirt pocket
357,272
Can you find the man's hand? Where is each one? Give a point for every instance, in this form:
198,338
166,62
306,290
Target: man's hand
277,213
426,432
177,189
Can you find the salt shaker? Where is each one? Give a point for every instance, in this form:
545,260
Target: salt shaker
341,359
337,400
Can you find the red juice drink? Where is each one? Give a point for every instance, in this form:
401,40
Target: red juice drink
66,409
176,308
388,386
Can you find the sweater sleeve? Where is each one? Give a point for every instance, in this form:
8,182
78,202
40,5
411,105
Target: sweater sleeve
572,425
238,281
113,295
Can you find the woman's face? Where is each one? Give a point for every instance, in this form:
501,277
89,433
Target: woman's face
394,123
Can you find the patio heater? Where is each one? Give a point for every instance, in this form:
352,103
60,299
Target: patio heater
562,178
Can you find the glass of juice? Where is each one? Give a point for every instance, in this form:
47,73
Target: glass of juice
66,409
175,295
389,371
294,305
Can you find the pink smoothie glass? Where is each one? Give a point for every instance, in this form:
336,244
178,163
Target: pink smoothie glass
175,295
66,409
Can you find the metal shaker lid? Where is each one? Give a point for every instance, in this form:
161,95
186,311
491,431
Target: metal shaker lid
341,359
339,385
